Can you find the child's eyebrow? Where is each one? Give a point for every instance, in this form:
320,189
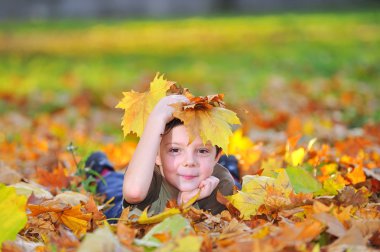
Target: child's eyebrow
181,144
174,143
204,146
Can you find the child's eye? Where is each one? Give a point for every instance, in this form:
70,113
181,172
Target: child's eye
204,151
174,150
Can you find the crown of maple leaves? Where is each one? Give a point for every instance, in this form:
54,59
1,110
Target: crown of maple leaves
205,116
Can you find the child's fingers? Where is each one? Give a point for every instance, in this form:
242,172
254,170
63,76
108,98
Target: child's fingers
202,184
214,181
208,185
209,181
184,197
177,98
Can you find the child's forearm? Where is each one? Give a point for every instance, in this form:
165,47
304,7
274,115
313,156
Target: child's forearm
139,174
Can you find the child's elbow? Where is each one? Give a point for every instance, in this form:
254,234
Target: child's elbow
134,196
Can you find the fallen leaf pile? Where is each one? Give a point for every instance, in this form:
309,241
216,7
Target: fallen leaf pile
309,161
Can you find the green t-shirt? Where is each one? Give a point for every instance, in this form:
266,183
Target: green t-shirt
160,191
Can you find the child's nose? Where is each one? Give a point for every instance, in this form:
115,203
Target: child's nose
190,161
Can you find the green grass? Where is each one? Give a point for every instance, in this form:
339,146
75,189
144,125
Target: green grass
234,55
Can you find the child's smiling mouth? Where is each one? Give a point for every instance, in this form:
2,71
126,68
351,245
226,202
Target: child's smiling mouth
188,177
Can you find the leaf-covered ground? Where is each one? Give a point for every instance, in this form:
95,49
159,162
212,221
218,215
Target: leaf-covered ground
308,151
309,156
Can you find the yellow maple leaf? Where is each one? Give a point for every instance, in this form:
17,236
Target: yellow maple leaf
246,203
138,106
211,124
272,193
244,149
295,158
239,142
12,213
252,195
189,243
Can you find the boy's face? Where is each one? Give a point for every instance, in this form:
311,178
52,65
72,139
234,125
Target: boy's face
184,165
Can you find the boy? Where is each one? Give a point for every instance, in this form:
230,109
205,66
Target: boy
167,165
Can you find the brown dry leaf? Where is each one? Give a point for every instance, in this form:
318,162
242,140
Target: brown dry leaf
234,230
335,227
70,216
97,216
124,232
41,226
72,198
299,199
353,237
66,240
343,214
319,207
296,234
351,196
375,239
371,211
274,200
9,176
366,227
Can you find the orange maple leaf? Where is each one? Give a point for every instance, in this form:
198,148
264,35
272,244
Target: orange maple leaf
91,207
76,220
297,233
72,217
357,175
120,155
125,232
58,178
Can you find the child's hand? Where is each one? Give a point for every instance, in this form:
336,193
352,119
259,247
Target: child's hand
184,197
206,187
163,112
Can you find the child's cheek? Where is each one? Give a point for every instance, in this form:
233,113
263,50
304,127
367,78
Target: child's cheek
206,172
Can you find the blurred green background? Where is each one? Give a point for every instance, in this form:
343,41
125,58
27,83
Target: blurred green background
235,55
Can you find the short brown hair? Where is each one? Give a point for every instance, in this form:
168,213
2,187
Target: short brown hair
176,122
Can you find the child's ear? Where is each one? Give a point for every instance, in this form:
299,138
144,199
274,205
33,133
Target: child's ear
158,159
218,156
